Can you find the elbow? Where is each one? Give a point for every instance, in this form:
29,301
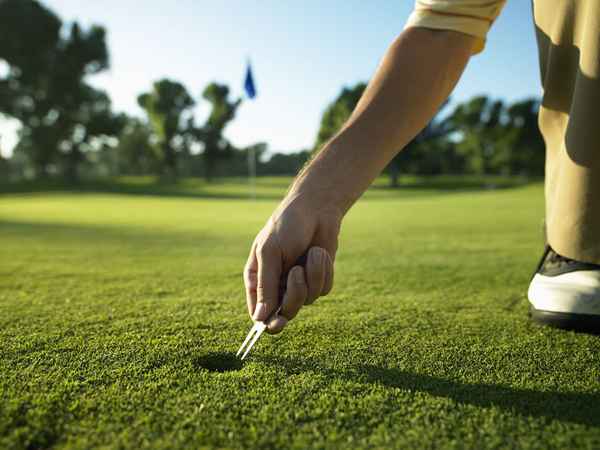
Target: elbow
459,44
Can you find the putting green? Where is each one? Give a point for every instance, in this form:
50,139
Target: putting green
119,314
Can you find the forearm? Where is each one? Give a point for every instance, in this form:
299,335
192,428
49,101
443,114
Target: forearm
417,73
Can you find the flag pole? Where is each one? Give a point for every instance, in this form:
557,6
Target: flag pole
251,93
252,171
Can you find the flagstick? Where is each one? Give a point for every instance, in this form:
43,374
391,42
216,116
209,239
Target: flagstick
250,89
252,171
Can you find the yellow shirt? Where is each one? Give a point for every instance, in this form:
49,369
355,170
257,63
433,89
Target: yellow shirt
472,17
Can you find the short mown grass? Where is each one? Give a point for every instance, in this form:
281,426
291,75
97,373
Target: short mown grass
121,311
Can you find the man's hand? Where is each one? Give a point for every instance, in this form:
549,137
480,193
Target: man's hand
416,75
294,228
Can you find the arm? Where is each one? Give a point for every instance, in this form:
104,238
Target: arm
416,75
418,72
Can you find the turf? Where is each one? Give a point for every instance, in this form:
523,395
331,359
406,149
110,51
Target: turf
120,313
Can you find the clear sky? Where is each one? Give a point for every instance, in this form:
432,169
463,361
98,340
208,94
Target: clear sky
302,52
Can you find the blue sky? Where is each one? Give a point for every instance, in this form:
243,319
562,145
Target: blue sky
302,52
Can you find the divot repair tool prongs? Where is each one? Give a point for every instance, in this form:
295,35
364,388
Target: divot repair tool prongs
259,327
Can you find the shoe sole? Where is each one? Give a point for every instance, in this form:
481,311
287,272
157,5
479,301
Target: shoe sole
585,323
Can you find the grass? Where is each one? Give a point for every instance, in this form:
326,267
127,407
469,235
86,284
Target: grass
119,314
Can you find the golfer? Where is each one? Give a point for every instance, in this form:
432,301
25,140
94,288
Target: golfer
417,74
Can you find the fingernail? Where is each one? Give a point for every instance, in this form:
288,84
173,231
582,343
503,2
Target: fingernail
277,324
259,312
298,276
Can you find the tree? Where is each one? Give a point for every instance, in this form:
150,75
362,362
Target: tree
495,138
4,168
136,152
418,156
93,126
223,111
428,153
337,113
479,126
165,105
28,45
524,141
45,88
285,163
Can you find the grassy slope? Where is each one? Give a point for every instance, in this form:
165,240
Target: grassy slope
116,311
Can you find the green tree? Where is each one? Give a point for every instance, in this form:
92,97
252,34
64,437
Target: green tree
424,154
429,153
28,44
45,88
285,163
337,113
93,126
479,126
211,134
165,105
498,138
524,143
136,153
5,169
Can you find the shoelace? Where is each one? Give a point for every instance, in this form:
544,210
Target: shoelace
559,260
554,258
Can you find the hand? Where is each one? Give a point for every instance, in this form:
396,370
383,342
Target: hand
295,227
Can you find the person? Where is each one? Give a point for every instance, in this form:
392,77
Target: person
416,75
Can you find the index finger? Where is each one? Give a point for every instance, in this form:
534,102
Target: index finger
269,261
251,279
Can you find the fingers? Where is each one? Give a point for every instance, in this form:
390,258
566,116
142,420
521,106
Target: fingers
316,273
327,238
304,286
328,284
277,324
295,294
269,259
294,298
251,279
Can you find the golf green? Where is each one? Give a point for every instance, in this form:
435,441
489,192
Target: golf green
120,315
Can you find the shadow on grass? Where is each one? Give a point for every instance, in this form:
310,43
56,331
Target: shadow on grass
267,189
149,189
92,236
458,183
577,407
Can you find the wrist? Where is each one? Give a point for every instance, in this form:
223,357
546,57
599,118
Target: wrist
341,171
314,190
311,197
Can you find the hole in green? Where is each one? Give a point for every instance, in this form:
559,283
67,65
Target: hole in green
218,362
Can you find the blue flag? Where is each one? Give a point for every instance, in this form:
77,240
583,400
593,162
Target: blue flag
249,83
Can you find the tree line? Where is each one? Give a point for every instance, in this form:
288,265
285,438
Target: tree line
481,136
68,127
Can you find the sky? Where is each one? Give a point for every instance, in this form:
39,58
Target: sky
302,53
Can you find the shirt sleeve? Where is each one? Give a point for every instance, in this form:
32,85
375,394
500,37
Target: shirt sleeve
472,17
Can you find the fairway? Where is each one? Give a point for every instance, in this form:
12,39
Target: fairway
119,313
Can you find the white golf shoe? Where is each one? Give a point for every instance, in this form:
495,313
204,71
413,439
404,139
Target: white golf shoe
565,293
